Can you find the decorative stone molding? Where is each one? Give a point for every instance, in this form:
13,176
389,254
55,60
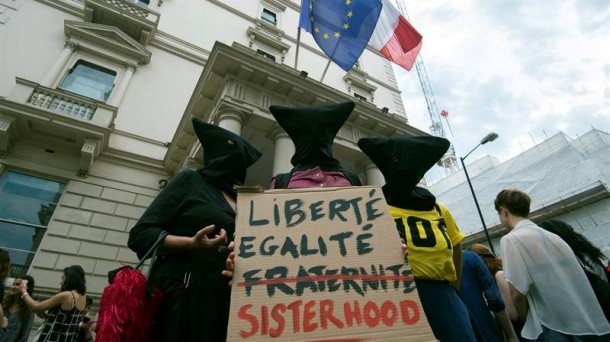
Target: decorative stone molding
268,36
63,103
356,79
235,77
87,154
137,21
71,45
99,39
179,47
277,4
229,113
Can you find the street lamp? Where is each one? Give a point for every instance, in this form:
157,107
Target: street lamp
488,138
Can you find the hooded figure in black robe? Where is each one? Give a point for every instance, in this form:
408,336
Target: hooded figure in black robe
404,161
433,238
312,130
196,296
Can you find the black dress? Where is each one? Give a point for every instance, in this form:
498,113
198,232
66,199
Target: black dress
196,296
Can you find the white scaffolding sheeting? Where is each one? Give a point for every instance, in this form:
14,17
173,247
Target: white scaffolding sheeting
551,172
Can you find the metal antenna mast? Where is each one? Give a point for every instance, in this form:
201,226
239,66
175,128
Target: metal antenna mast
449,161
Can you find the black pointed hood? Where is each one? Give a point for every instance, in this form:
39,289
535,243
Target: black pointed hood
404,161
226,156
312,130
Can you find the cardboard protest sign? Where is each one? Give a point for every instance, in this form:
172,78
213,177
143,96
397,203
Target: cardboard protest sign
321,265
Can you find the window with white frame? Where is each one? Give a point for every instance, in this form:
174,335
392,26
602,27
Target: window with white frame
97,71
360,97
89,80
26,206
357,85
265,54
270,17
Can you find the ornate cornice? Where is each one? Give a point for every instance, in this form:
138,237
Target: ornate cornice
88,36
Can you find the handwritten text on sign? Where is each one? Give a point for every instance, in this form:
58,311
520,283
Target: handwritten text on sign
315,263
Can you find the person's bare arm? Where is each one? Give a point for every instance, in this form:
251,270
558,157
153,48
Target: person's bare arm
3,320
505,325
506,296
519,301
60,299
457,262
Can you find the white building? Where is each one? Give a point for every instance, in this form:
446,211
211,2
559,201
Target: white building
96,100
567,179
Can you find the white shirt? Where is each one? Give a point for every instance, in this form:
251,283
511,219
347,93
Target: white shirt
540,265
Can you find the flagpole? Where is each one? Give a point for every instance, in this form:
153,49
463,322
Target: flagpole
325,70
296,58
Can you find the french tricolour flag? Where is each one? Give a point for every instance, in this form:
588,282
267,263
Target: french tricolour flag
395,38
344,28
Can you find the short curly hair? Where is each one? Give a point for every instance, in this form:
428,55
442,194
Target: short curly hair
515,201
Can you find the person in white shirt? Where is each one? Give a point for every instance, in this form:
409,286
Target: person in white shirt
548,286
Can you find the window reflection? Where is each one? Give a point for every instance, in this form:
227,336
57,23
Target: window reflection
27,204
269,17
90,80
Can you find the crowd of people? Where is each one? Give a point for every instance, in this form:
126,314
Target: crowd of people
465,295
63,314
537,291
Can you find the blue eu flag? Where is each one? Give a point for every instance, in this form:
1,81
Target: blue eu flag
342,28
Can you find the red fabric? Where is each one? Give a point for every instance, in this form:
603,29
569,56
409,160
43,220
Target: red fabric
127,313
314,178
402,48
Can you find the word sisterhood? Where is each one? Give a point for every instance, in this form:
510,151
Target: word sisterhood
313,315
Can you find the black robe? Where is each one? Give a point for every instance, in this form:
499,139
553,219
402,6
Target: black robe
196,296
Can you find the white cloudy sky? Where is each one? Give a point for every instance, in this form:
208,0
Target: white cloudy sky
524,69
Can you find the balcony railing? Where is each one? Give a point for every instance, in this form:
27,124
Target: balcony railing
137,21
62,104
129,7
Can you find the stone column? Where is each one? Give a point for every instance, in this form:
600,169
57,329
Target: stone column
284,149
59,65
231,119
118,93
372,174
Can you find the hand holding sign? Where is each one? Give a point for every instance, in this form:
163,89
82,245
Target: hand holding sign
230,263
